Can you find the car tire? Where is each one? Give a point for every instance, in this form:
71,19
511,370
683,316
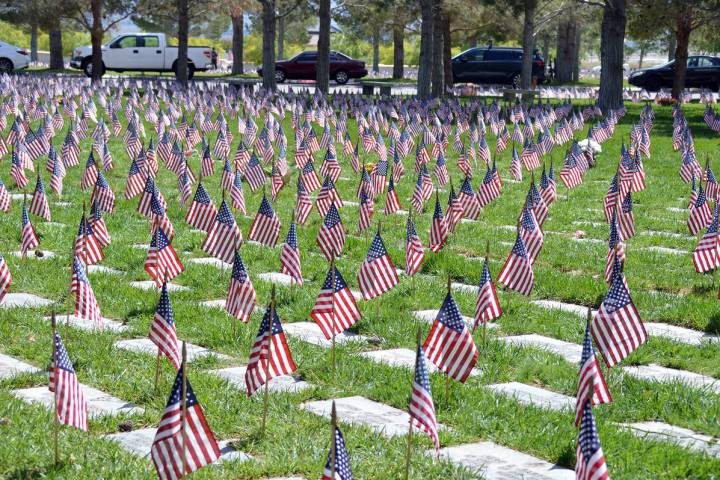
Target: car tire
280,76
653,84
516,81
190,70
6,65
87,68
341,77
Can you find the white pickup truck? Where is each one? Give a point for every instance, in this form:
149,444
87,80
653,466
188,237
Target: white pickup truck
142,52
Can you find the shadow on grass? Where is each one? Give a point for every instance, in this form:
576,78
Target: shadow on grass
39,471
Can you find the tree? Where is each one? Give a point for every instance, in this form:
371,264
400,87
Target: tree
28,14
528,42
268,48
438,74
322,79
612,38
425,63
183,16
567,48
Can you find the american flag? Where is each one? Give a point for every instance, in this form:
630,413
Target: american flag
162,329
617,328
5,278
328,194
270,355
227,177
531,234
423,189
304,204
489,189
590,462
87,246
103,194
616,249
207,167
290,256
530,156
379,176
224,236
626,219
241,298
454,211
693,195
515,166
39,204
90,174
242,156
366,208
469,200
222,148
254,174
591,383
28,237
202,210
97,225
17,172
331,236
571,173
5,202
700,215
438,228
72,408
487,306
441,171
392,202
86,306
689,166
422,408
537,204
377,273
366,184
162,262
706,255
276,181
237,196
309,177
450,345
517,273
134,184
335,309
414,251
337,466
611,198
183,441
265,228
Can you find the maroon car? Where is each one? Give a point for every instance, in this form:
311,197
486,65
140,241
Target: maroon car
303,67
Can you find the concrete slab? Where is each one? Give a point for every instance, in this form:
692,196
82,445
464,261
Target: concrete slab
658,233
384,419
403,358
219,303
309,332
82,324
140,246
150,285
683,437
44,254
139,442
357,295
677,210
63,204
588,240
347,203
589,224
281,384
665,251
27,300
55,224
102,269
144,345
213,262
495,462
10,366
571,352
260,245
656,373
535,396
679,334
463,287
579,310
276,277
99,402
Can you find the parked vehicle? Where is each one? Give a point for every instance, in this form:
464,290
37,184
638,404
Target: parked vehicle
141,52
13,58
494,65
702,72
303,66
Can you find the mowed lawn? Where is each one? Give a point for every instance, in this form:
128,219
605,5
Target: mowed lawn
664,287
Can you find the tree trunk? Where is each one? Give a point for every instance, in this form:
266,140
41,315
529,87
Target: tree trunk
682,37
528,44
567,48
237,42
268,62
672,45
447,52
56,49
33,41
322,80
576,55
96,37
546,48
642,55
612,36
398,51
426,49
181,67
281,38
438,75
376,49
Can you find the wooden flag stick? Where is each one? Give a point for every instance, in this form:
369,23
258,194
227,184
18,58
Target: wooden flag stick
408,452
266,366
332,314
333,442
183,412
53,364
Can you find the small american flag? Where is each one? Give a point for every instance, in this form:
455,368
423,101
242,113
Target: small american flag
423,189
422,408
339,456
616,250
162,329
237,195
617,328
28,237
162,262
487,306
17,172
441,171
469,200
515,165
90,174
531,234
87,246
517,273
489,189
183,441
241,298
86,306
706,256
366,211
265,228
224,236
591,383
202,210
207,167
72,408
226,180
379,176
693,194
39,204
270,355
700,215
537,204
450,345
611,198
438,228
134,184
290,256
331,236
5,202
335,310
377,273
5,278
276,181
97,225
414,252
328,194
304,204
254,174
455,211
626,219
103,194
590,463
309,177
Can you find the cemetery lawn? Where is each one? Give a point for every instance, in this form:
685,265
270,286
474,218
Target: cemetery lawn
664,286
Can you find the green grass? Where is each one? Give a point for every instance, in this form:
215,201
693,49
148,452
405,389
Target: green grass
297,442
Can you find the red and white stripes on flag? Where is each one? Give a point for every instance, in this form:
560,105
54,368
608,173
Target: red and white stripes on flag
517,273
28,237
422,407
335,309
487,306
86,306
72,408
414,251
241,298
591,383
331,236
224,236
162,261
5,278
290,257
202,211
162,329
377,273
265,228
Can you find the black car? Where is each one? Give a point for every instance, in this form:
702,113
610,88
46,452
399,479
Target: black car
494,65
702,72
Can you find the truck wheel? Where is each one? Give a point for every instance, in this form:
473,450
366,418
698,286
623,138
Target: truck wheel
6,65
87,68
516,81
279,76
190,70
341,77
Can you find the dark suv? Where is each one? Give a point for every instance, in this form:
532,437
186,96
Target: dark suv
303,67
702,72
499,65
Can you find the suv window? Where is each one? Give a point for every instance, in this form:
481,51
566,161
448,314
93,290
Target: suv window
705,62
476,55
149,42
502,55
692,62
307,57
126,42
